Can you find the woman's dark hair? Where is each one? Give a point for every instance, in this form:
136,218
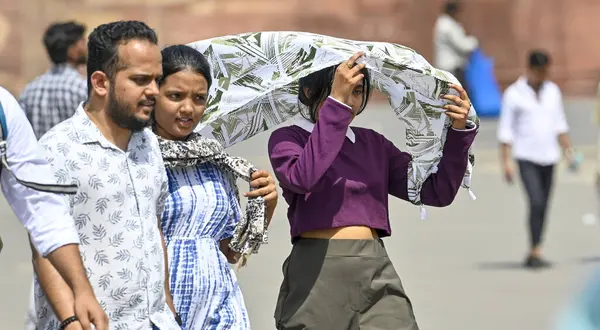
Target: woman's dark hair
181,57
319,87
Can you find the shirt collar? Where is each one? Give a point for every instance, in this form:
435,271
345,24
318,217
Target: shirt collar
63,68
88,132
308,126
449,19
524,85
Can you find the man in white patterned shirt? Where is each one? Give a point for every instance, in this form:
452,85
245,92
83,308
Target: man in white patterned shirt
107,150
52,97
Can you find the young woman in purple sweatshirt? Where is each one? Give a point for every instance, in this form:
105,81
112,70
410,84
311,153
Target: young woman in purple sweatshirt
336,180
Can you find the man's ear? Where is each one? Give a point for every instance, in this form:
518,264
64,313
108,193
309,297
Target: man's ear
100,83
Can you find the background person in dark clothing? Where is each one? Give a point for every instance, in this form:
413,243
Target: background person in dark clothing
533,126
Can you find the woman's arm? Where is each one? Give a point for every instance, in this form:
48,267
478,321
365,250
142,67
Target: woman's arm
441,187
301,168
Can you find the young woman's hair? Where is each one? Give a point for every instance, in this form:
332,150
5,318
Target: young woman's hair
181,57
319,88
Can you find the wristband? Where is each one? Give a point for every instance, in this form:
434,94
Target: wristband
178,319
67,321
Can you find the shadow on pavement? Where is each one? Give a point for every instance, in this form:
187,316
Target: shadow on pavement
589,260
501,265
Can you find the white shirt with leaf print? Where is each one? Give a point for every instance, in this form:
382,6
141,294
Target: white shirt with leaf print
120,195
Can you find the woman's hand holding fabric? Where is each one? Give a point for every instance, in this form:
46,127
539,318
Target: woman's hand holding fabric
459,111
264,185
347,76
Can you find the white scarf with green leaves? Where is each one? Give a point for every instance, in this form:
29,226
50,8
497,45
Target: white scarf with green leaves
255,88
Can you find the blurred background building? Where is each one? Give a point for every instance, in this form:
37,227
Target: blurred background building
506,29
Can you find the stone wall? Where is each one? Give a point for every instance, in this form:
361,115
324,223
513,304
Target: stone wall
506,28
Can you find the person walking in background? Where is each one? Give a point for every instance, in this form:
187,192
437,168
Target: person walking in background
29,188
53,97
452,46
532,128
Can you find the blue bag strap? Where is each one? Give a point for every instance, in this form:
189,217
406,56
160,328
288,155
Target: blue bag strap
4,132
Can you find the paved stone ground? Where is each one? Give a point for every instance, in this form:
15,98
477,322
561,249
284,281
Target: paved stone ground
461,266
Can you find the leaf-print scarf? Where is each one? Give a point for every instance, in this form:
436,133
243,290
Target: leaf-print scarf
256,78
251,230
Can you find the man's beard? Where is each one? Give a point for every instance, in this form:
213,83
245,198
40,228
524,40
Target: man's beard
122,114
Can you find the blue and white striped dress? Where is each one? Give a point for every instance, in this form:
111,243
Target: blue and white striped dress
202,209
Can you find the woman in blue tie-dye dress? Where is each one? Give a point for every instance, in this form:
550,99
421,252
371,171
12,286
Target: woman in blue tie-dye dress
202,208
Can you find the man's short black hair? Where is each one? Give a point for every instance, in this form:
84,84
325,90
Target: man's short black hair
452,7
59,37
538,59
103,45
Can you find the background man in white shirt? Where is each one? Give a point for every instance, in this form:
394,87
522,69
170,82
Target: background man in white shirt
533,126
452,46
45,215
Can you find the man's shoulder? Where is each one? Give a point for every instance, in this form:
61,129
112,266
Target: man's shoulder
512,88
63,132
553,86
151,139
68,81
7,99
147,143
34,85
443,22
76,79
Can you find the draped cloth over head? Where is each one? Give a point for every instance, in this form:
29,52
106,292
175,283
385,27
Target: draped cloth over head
255,88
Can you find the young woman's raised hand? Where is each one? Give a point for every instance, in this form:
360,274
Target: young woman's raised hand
459,111
347,76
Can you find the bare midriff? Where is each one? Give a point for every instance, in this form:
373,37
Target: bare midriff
349,232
